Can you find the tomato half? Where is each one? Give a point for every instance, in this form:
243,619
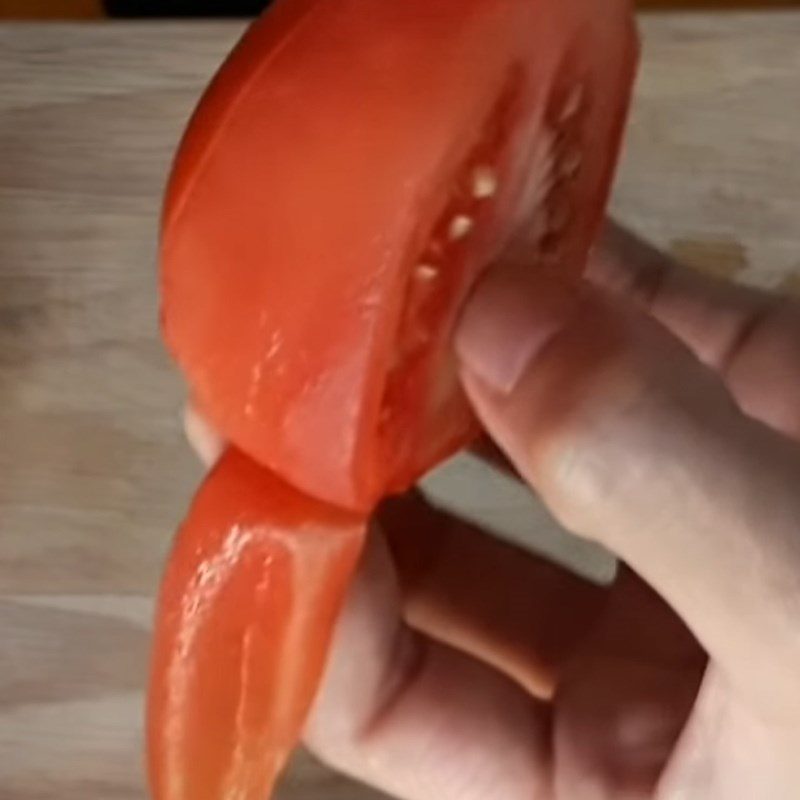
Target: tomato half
248,603
352,169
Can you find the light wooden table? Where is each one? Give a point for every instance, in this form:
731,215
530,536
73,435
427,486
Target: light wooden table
93,473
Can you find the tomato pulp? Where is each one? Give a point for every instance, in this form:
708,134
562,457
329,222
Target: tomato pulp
351,170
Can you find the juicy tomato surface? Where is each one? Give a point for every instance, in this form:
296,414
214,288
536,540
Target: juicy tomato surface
351,170
247,607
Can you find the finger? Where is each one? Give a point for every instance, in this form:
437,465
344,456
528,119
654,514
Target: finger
204,439
417,719
708,314
627,676
751,337
632,442
626,696
518,613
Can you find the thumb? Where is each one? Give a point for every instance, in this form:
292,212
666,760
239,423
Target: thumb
632,442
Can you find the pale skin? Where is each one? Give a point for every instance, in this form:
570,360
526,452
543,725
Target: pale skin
654,411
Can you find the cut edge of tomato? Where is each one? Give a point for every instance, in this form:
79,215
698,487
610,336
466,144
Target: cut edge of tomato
630,63
247,608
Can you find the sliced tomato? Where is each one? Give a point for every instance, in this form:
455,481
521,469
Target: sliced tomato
248,603
352,169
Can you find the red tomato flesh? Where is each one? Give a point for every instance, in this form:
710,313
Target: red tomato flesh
247,607
352,169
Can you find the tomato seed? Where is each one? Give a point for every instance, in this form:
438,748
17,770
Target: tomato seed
484,182
426,272
460,226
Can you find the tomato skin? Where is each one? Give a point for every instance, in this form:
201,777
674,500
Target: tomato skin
302,193
247,607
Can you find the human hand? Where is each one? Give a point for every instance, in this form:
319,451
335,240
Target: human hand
657,412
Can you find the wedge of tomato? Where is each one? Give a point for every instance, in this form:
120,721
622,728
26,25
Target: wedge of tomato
352,169
247,608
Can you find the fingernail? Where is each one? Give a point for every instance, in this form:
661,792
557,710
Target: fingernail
510,318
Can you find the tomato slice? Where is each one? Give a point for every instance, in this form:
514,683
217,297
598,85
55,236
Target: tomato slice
351,170
246,611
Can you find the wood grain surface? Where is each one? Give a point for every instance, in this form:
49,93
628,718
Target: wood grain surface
93,472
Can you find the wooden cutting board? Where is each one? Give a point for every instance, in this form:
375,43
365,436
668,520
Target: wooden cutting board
93,472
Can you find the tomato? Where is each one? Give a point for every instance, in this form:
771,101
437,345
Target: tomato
247,606
352,169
